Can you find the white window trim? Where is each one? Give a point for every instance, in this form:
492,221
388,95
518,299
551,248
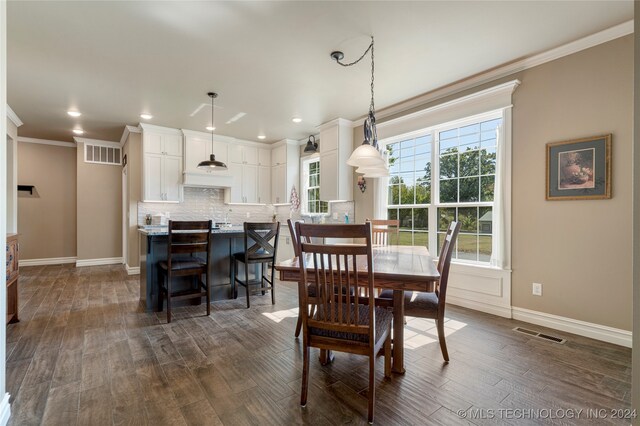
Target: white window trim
304,178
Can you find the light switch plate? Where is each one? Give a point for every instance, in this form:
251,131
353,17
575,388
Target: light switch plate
537,289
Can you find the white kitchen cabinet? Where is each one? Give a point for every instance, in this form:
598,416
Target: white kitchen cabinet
244,184
162,164
285,171
279,155
336,145
198,149
264,157
264,185
235,191
279,177
242,154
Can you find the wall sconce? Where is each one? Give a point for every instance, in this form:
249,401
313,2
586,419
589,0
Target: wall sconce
362,184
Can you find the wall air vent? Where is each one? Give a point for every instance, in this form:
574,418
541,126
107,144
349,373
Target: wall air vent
102,154
540,335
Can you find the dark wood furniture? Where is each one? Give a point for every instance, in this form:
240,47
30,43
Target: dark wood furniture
383,230
186,238
13,257
397,268
432,304
294,239
263,249
341,322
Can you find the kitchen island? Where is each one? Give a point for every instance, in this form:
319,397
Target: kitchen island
153,249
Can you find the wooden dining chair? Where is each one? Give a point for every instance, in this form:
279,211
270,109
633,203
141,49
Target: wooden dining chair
341,322
294,240
263,249
186,238
432,305
383,230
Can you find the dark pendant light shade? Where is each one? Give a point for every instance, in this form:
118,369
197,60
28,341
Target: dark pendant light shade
312,146
212,163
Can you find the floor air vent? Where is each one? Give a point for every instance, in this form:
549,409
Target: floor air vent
539,335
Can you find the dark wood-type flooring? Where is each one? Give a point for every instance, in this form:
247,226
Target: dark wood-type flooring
85,353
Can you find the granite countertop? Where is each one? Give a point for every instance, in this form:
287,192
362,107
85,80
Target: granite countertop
163,230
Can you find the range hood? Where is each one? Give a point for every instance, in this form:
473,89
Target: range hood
207,180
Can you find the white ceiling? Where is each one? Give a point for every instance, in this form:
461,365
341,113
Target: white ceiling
115,60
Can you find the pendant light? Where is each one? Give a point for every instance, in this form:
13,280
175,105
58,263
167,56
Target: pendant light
312,146
212,163
367,156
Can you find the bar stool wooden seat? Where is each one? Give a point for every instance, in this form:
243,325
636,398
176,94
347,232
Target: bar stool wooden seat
186,238
263,251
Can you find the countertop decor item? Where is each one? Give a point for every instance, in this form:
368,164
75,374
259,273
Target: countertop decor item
362,184
212,163
294,199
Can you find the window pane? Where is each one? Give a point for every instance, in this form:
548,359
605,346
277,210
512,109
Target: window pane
485,220
406,164
488,161
469,189
89,154
487,188
407,145
445,217
485,248
312,207
421,219
421,239
469,142
103,154
468,218
421,162
394,194
472,128
448,166
314,180
392,213
469,163
449,191
406,218
467,246
405,238
393,156
423,191
491,124
448,146
407,191
449,134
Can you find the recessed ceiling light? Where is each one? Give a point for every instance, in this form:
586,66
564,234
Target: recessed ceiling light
78,131
262,137
74,113
146,116
296,120
210,128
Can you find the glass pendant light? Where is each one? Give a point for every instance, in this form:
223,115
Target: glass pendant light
212,163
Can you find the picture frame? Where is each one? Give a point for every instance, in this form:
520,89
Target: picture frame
579,169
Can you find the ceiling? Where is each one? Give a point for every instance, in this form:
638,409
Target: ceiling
114,60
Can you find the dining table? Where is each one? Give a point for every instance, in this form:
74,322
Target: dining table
398,268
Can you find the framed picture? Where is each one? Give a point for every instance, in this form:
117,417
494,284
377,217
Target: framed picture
579,169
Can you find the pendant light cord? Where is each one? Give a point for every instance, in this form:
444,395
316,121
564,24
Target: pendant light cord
213,96
372,108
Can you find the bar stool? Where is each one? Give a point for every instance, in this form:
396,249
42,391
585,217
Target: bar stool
186,238
264,237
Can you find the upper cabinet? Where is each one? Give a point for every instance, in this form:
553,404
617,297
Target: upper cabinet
197,148
336,145
242,154
162,161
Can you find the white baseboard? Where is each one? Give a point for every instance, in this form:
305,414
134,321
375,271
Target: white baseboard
501,311
47,261
96,262
5,410
132,270
582,328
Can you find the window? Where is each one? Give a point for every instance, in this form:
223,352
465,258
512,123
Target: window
102,154
442,174
311,187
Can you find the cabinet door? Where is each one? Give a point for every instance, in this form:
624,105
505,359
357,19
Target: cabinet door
152,143
196,150
171,177
235,170
250,155
235,154
153,177
250,183
328,176
172,145
264,185
264,157
279,180
329,139
279,155
220,150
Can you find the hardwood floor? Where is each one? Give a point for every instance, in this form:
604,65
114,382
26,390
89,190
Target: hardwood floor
85,353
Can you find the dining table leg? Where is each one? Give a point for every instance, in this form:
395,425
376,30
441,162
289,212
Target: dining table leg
398,331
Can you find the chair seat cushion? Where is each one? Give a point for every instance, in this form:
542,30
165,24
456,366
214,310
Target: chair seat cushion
183,264
416,303
383,322
258,257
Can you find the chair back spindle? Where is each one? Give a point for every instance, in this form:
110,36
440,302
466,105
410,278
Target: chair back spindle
384,231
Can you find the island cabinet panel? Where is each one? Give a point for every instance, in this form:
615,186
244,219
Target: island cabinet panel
153,249
13,256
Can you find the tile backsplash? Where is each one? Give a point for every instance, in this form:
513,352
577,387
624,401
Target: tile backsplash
208,203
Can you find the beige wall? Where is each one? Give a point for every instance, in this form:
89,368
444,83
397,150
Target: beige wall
47,223
12,177
99,221
579,250
133,150
635,353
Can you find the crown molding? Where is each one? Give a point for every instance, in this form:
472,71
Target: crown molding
160,129
47,142
13,117
337,122
222,138
284,142
587,42
128,130
97,142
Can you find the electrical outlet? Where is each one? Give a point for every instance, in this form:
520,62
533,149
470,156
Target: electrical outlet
335,216
537,289
248,215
